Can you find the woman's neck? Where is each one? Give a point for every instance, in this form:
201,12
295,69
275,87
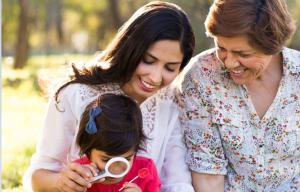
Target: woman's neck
128,91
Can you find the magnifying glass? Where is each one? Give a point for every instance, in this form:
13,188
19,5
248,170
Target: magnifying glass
116,167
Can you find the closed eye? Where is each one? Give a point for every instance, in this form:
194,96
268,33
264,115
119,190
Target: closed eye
148,61
171,69
222,49
244,55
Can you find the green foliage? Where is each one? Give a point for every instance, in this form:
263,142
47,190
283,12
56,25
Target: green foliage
15,165
94,19
24,106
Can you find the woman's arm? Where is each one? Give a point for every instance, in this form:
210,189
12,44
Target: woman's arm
176,174
205,154
55,147
47,180
167,149
208,182
73,178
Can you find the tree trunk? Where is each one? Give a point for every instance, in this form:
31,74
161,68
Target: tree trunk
22,44
114,9
59,20
53,24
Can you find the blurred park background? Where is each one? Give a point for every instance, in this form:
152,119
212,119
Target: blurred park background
39,38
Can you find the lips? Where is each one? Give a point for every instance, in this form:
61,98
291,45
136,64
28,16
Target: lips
147,87
237,72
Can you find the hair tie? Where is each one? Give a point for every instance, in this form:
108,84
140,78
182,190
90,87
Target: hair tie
91,127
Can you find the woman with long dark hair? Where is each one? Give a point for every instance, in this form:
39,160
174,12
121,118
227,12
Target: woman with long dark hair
147,53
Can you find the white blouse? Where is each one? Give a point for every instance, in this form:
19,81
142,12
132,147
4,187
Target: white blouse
57,143
166,146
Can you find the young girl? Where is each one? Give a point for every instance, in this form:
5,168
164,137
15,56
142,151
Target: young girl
111,126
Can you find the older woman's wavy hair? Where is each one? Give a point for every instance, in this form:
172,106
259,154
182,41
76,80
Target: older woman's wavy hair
266,23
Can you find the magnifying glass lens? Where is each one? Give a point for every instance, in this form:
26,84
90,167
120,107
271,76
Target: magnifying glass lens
117,167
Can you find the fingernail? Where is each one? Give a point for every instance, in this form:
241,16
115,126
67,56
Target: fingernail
88,174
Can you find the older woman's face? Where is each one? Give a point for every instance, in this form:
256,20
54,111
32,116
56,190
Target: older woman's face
243,62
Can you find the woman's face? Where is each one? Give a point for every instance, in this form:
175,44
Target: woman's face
243,62
158,68
100,158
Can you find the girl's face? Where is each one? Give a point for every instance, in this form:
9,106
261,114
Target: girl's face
100,158
158,68
243,62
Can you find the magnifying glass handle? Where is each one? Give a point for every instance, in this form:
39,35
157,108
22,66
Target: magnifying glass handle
100,175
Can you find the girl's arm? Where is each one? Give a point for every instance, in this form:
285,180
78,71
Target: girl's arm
208,182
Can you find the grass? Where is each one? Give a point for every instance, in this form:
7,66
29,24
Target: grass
24,104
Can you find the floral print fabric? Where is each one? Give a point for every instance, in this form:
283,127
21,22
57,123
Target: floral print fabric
224,134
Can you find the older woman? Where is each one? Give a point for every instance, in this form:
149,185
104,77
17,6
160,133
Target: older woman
240,102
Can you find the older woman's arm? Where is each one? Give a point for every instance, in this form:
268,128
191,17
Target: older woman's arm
205,153
208,182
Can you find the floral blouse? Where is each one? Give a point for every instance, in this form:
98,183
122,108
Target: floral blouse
225,136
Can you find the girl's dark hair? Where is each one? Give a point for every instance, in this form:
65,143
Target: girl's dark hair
119,126
152,22
266,23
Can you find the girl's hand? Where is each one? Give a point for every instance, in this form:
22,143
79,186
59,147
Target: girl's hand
131,187
75,177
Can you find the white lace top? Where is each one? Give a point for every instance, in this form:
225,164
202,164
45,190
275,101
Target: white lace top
166,146
57,143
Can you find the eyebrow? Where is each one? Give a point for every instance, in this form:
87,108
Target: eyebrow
129,155
242,52
110,157
238,52
153,57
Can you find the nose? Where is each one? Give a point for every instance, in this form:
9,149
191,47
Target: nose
156,75
230,61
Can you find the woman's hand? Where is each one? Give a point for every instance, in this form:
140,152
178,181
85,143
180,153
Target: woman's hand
131,187
75,177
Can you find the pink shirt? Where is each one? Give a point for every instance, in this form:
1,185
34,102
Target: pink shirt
151,183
